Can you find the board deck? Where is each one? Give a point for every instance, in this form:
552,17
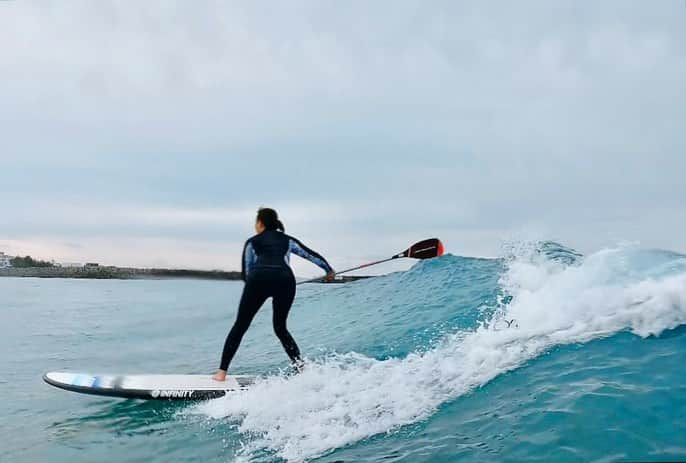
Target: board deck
166,387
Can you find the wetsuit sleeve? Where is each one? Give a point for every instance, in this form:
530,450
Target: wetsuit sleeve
299,249
248,260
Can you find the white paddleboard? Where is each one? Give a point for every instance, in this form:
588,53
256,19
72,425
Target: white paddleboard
168,387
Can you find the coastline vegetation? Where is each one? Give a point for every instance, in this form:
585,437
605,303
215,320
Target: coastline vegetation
27,266
28,261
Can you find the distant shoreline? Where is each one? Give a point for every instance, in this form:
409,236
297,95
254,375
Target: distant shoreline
131,273
117,273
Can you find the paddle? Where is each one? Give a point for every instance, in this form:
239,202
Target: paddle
425,249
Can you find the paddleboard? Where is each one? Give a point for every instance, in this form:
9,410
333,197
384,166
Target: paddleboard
167,387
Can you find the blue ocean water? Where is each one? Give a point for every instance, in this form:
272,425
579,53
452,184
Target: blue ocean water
414,366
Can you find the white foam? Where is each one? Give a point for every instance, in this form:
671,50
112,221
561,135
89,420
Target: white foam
342,399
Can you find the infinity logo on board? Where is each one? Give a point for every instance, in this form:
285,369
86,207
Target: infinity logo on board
171,394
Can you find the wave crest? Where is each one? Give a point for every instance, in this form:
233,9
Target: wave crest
557,298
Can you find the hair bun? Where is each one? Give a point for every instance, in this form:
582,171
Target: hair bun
270,219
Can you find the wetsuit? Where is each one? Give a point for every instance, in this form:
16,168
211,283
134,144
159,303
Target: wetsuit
267,273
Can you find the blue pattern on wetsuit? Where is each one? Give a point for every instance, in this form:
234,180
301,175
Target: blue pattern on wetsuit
301,250
249,258
290,245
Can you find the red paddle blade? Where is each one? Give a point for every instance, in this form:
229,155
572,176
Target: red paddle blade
425,249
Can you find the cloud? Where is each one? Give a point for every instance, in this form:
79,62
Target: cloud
169,121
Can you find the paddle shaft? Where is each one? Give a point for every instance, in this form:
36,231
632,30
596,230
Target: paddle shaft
397,256
424,249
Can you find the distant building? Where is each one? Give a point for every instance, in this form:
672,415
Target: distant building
5,260
71,265
92,265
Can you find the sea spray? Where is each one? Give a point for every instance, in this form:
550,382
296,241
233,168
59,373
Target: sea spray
341,399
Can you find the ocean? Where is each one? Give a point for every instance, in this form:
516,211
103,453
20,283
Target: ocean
541,355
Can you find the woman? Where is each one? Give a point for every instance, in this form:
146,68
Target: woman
266,273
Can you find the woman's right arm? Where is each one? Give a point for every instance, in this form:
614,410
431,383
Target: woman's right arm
299,249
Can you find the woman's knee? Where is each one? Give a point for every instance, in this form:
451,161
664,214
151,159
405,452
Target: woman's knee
280,329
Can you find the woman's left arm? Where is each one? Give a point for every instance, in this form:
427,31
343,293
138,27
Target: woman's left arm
247,260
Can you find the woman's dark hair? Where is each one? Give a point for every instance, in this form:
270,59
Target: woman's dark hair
270,219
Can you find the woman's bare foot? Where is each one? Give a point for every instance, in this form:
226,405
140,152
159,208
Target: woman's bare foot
299,365
220,375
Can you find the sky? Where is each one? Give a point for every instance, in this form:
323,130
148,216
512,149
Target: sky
148,133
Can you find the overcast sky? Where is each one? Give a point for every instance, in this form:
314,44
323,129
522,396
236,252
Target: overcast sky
148,133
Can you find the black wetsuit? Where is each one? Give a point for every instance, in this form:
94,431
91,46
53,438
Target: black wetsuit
267,273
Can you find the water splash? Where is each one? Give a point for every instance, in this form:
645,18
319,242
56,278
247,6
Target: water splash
343,398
